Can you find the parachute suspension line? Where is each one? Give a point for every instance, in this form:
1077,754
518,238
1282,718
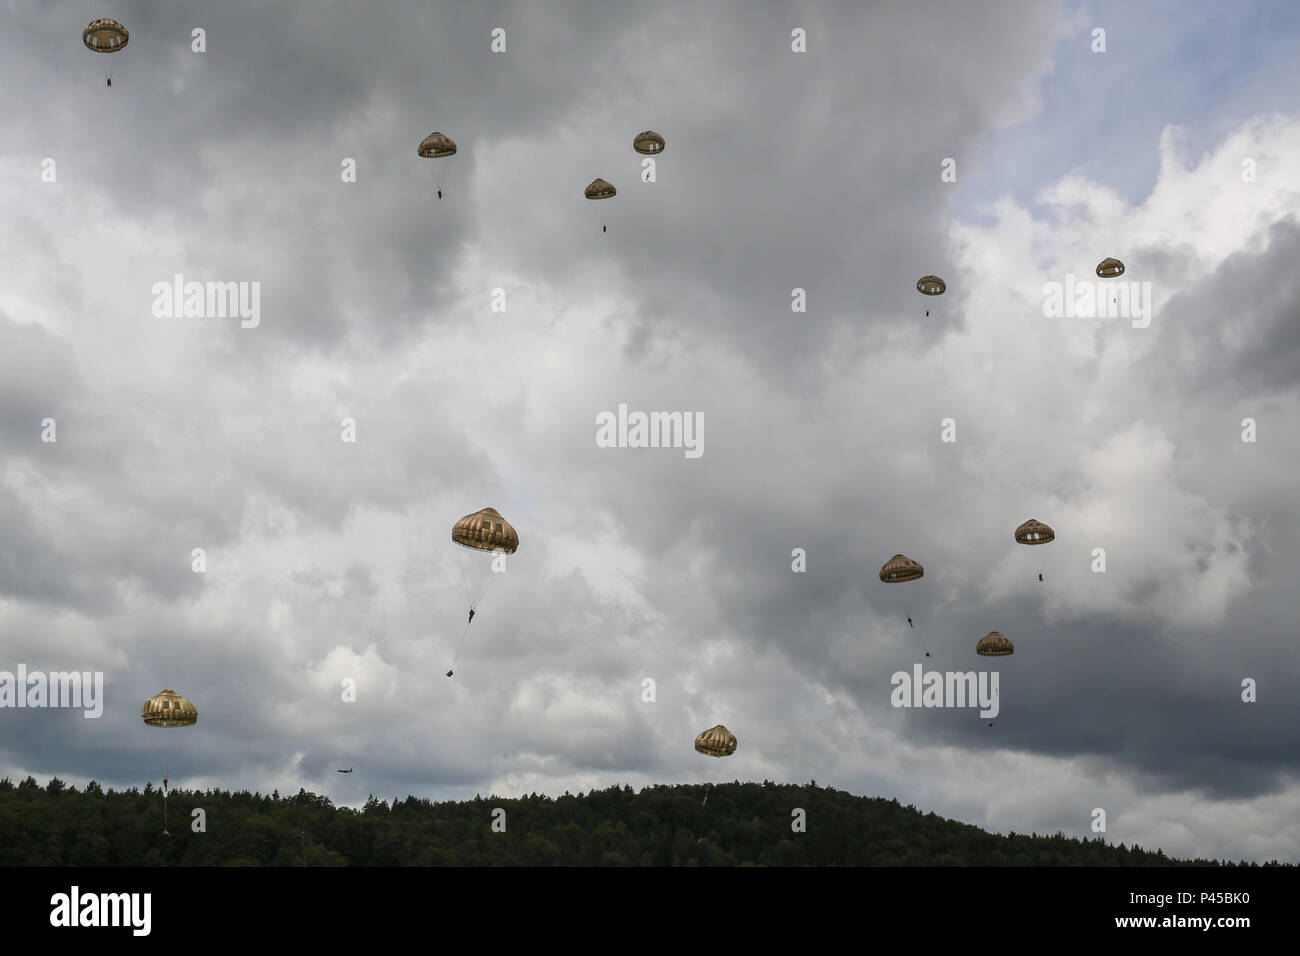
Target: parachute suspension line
905,610
492,577
475,593
704,814
459,644
162,763
162,758
898,603
464,579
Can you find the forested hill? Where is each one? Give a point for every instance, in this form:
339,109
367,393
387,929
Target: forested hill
740,824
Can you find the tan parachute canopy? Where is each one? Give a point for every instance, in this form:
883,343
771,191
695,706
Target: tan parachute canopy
994,644
169,709
1110,268
716,742
648,142
105,36
901,568
930,285
436,145
1034,532
599,189
485,530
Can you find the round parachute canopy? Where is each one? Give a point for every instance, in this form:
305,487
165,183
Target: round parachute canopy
1034,532
1110,268
485,530
169,709
901,568
994,644
105,36
599,189
716,742
648,142
436,145
930,285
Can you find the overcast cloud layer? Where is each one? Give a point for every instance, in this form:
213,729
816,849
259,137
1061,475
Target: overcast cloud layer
329,561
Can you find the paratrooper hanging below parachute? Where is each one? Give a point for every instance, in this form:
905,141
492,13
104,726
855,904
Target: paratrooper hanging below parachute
168,710
489,535
437,146
930,285
1035,532
105,36
599,189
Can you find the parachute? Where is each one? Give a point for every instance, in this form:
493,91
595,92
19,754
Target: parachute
437,146
599,189
485,530
930,285
487,535
901,568
168,710
105,36
716,742
1110,269
1035,532
994,644
648,142
897,570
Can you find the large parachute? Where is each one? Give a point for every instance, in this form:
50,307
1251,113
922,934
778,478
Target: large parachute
105,36
994,644
485,530
648,142
489,536
1110,268
437,146
930,285
599,189
169,709
716,742
901,568
1035,532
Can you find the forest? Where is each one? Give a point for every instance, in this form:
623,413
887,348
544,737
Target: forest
732,824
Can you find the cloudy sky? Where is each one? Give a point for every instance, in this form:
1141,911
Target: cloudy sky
1177,150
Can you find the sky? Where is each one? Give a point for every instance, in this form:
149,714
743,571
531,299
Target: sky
415,359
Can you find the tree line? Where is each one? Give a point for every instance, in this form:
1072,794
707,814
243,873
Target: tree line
739,824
